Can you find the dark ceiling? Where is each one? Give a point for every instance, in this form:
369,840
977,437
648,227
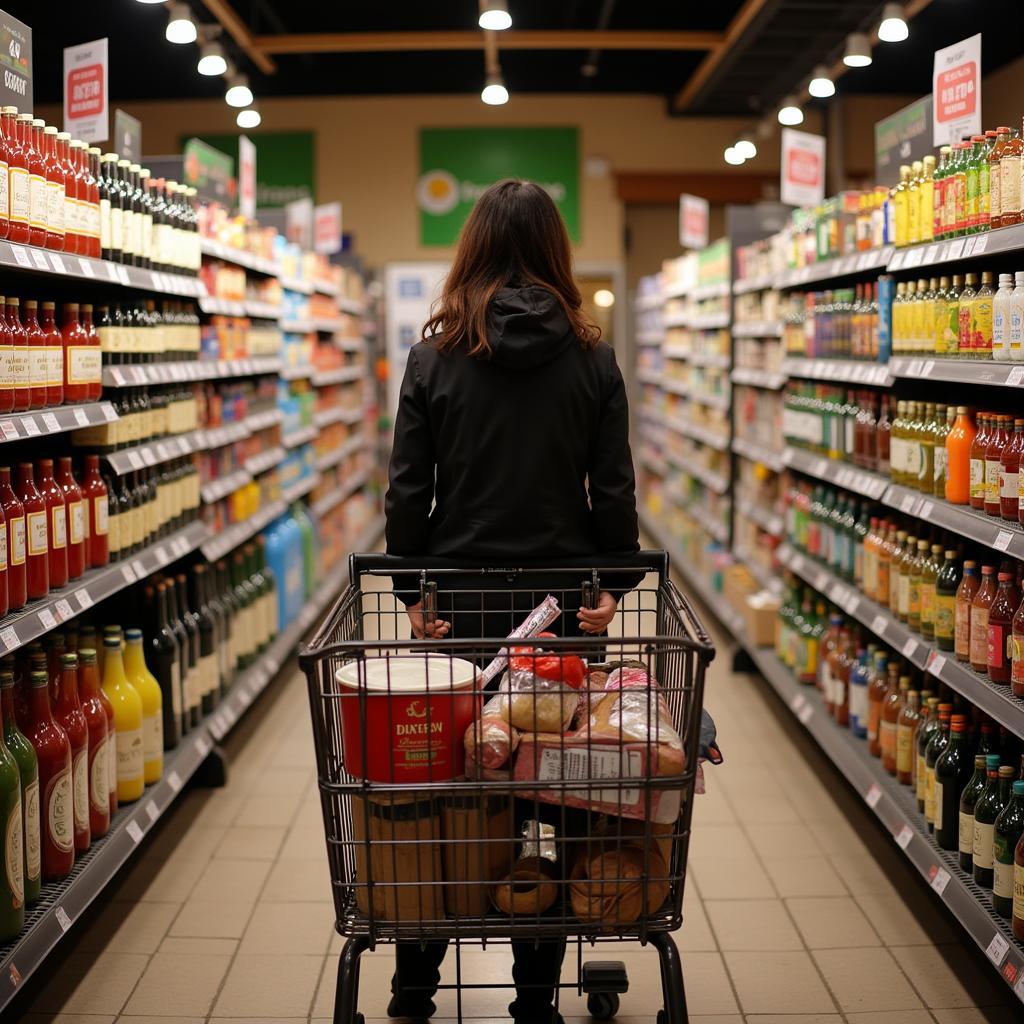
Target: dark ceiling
779,48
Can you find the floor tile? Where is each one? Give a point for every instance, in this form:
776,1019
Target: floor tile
203,947
866,979
124,927
244,842
794,1018
92,983
731,878
899,925
752,925
182,984
211,919
168,881
147,1019
271,986
297,882
304,844
231,881
67,1018
773,840
695,935
891,1017
934,972
988,1015
831,922
861,874
804,876
261,811
289,927
778,982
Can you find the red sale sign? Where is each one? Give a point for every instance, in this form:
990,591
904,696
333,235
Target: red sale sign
85,91
956,91
693,222
803,168
327,228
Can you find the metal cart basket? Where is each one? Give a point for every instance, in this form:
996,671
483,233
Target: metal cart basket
475,804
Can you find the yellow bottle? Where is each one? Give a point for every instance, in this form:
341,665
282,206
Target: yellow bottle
940,317
148,690
922,317
909,314
900,194
127,721
928,199
897,320
914,204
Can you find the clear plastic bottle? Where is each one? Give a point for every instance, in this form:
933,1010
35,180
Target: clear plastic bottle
1001,318
1017,318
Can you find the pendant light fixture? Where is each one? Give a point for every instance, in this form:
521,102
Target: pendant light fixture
821,85
494,16
211,59
494,92
238,94
732,157
746,148
790,112
858,50
893,28
180,26
249,118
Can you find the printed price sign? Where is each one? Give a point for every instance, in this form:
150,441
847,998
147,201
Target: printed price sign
904,836
693,221
873,795
805,713
84,599
878,624
997,949
956,91
61,916
940,879
1002,541
909,647
803,168
133,829
85,90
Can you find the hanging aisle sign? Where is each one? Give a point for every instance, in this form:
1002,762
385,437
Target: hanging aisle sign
956,91
902,138
128,136
327,229
803,168
246,177
85,91
693,221
16,59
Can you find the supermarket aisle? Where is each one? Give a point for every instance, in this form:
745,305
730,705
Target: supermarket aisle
226,917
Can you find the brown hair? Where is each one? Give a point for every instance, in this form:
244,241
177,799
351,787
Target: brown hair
514,236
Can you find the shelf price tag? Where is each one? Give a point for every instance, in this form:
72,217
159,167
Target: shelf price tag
904,836
135,460
9,638
61,916
873,795
46,619
805,713
980,244
798,701
64,610
1015,376
1002,541
152,811
939,879
50,422
9,430
997,949
968,247
84,599
21,257
39,260
202,746
128,573
30,425
58,263
174,781
909,647
133,829
86,268
955,250
878,624
936,663
140,569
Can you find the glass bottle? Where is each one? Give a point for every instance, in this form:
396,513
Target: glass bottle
164,654
37,357
94,363
892,704
946,585
1007,832
36,182
53,345
181,637
95,496
12,867
917,572
37,572
209,668
53,171
998,438
929,724
1000,628
952,771
936,745
56,524
99,740
968,798
878,687
127,707
979,619
24,755
69,716
17,568
1009,184
986,810
148,689
195,696
1009,474
906,726
904,571
961,475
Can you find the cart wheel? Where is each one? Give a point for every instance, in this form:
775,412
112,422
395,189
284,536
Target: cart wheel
663,1017
358,1019
602,1005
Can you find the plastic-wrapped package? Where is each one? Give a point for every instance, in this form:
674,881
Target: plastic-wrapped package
491,740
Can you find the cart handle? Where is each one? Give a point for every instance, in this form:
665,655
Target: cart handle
649,561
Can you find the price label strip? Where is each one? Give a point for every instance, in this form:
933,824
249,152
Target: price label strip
940,879
904,836
997,949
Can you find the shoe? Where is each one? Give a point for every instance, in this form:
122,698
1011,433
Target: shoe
411,1011
555,1018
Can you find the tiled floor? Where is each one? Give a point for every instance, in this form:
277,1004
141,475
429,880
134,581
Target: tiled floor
798,911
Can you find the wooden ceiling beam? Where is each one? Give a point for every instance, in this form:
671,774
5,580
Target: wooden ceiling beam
664,188
372,42
239,31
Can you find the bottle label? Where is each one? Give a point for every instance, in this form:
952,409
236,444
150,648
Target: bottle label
99,777
21,368
929,793
116,229
55,207
60,812
153,737
176,694
963,629
944,615
939,464
72,216
927,594
38,370
1018,891
996,646
58,521
966,842
903,596
1009,485
1015,643
16,533
938,804
1016,326
995,180
100,514
54,365
84,365
80,774
106,234
919,778
14,854
192,695
983,836
33,844
977,478
37,540
112,762
7,366
979,636
37,201
1002,884
992,467
76,522
1009,185
904,749
208,667
129,755
19,195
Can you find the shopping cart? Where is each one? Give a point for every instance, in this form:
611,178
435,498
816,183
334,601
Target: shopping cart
579,837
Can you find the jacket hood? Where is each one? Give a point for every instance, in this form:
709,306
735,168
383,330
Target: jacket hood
527,327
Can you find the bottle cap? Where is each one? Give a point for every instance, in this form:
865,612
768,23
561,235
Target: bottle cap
1005,279
979,760
1018,785
1007,771
958,723
87,655
39,680
69,660
112,642
992,762
133,635
1005,577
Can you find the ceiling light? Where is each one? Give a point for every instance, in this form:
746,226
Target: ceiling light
151,1
820,85
789,112
732,157
604,298
746,148
893,28
494,15
239,94
858,50
211,60
180,26
494,92
249,118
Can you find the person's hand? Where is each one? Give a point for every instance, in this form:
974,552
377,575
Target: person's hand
437,630
595,620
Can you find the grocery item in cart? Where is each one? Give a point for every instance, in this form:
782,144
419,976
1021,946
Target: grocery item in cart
417,709
613,883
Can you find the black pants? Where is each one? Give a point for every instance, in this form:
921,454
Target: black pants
476,608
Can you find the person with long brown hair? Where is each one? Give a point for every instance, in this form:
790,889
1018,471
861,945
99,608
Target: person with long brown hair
511,446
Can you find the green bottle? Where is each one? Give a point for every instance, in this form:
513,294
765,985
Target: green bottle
968,799
1009,827
28,769
782,642
936,746
952,770
12,867
806,670
994,797
946,585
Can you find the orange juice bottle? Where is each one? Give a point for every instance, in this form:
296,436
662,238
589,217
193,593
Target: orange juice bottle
958,457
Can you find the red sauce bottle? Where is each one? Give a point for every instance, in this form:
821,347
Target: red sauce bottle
77,518
6,361
56,524
1000,627
4,600
979,447
22,373
56,789
69,716
94,491
77,356
55,190
90,695
37,534
5,191
93,192
998,440
37,356
14,528
18,170
1009,474
30,143
1017,653
72,188
54,356
95,361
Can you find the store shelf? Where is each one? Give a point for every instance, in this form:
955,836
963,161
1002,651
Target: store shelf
769,521
697,292
712,401
350,306
839,473
225,485
263,461
670,384
845,371
650,338
758,329
301,436
350,344
17,426
295,284
715,360
772,380
838,267
712,438
754,284
38,617
328,459
257,421
300,488
758,453
652,377
339,375
714,481
714,528
330,501
959,371
656,466
670,320
326,287
765,578
239,257
128,376
304,372
708,321
217,545
325,417
64,903
956,250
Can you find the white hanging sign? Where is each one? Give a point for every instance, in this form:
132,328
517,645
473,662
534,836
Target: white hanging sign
956,91
803,168
85,90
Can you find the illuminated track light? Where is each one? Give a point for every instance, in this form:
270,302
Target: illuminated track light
494,16
858,50
893,28
821,85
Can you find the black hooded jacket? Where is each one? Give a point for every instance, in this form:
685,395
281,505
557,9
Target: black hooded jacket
519,441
